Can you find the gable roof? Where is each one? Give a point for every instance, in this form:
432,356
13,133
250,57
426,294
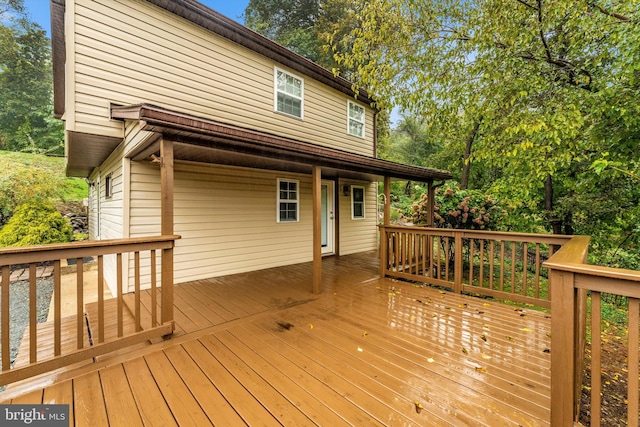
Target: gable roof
205,17
204,140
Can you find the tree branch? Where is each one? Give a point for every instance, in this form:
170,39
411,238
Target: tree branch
618,16
526,4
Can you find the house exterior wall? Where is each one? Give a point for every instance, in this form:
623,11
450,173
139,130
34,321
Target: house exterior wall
129,52
227,219
358,235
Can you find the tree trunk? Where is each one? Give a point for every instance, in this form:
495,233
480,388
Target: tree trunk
466,158
556,223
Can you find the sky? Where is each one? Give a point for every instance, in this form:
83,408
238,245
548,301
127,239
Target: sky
39,10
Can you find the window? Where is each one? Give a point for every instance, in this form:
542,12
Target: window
288,205
108,187
356,119
289,92
357,202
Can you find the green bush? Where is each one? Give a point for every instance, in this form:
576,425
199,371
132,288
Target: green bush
35,224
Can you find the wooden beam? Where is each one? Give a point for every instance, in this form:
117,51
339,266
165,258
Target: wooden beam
431,203
316,179
387,200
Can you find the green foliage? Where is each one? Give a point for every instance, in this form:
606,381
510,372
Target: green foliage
26,122
34,178
35,224
461,209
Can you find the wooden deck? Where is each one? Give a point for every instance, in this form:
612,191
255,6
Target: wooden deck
260,349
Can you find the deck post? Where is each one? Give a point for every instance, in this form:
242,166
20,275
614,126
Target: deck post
166,203
386,221
563,340
431,203
457,267
316,178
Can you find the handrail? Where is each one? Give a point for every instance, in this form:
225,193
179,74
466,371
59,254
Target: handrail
46,354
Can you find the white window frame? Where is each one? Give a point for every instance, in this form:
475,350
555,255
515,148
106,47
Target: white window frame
353,202
349,118
108,186
276,91
289,201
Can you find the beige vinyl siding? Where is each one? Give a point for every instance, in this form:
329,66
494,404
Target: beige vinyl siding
226,217
130,52
93,208
134,136
358,235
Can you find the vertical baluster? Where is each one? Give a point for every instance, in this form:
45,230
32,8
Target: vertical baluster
6,346
438,258
481,254
33,319
537,270
119,296
154,301
423,257
397,250
430,243
471,249
514,247
80,303
446,258
100,299
633,362
525,259
596,358
501,265
491,255
57,309
137,290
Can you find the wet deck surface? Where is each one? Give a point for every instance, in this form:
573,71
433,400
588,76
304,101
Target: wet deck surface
260,349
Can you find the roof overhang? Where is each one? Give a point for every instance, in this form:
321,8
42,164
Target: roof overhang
85,152
207,141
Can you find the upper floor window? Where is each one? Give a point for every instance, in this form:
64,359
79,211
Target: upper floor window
288,204
289,93
355,113
357,202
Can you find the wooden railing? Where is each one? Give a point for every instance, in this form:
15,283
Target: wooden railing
496,264
47,351
571,278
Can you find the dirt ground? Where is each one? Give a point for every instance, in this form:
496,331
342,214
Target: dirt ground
614,383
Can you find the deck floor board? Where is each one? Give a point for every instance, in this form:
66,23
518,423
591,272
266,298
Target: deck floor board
260,349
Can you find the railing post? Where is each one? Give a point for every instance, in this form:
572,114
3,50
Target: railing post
457,272
166,314
563,348
384,251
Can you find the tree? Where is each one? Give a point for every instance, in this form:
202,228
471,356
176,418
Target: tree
530,88
26,122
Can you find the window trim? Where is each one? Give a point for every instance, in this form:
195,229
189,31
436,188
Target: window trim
353,202
279,200
108,186
349,118
275,93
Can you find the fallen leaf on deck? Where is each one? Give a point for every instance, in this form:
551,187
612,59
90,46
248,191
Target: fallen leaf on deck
527,330
546,350
465,351
412,317
486,304
483,337
549,334
480,312
485,356
360,349
447,308
480,369
418,406
365,333
430,360
510,338
310,325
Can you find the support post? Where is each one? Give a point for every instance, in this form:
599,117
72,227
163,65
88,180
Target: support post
386,221
166,207
431,203
316,178
563,340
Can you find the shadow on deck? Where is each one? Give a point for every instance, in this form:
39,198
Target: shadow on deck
259,348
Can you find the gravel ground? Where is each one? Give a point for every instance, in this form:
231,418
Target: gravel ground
19,309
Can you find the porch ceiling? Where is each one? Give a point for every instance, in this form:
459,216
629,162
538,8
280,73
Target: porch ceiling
202,140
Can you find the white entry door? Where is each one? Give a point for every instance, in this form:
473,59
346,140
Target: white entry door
327,214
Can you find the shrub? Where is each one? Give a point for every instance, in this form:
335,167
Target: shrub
35,224
455,208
